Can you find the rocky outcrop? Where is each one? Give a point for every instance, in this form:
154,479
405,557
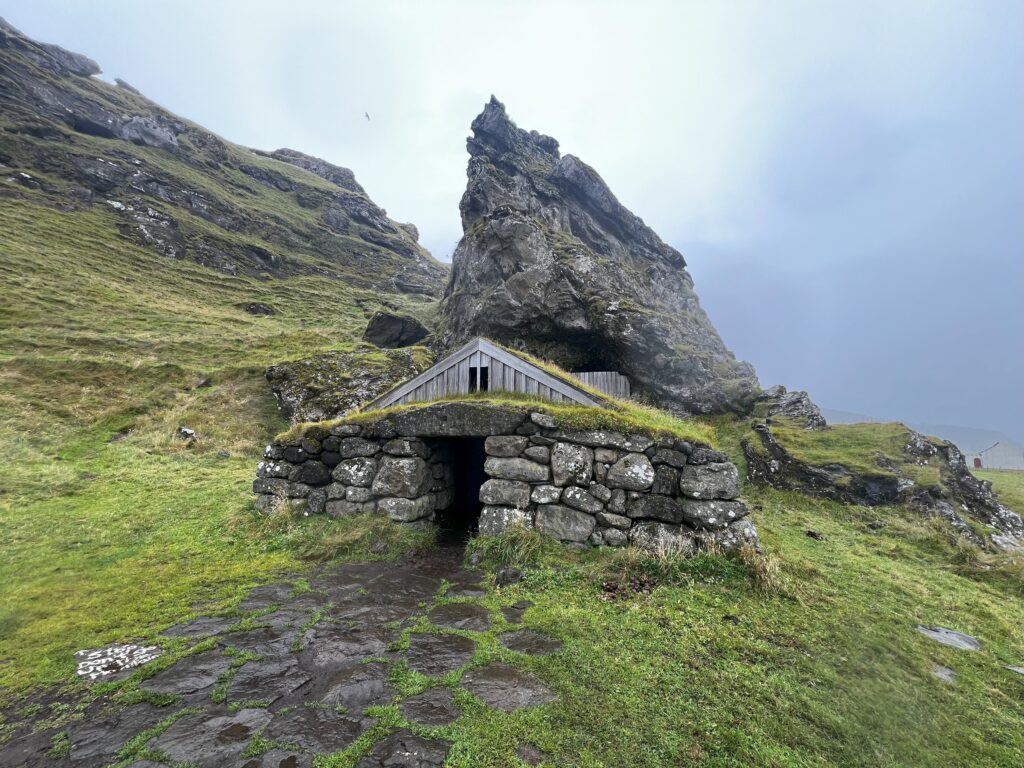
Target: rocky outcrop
551,262
200,198
584,488
776,401
332,384
957,495
392,331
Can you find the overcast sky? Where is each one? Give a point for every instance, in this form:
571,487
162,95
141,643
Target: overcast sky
845,179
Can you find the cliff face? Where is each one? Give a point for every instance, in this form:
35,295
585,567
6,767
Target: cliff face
552,263
70,140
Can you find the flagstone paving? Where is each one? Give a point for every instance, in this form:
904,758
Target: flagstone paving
291,674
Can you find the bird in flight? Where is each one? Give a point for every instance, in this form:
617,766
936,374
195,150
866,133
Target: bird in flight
367,116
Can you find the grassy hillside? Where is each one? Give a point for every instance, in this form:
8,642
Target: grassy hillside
114,529
112,526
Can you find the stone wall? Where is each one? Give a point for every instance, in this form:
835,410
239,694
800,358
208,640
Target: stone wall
581,487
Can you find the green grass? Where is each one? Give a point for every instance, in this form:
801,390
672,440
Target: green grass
631,418
808,658
859,447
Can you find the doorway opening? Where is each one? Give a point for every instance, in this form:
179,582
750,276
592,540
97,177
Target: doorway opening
465,457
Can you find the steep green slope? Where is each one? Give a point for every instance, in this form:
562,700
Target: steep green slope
74,142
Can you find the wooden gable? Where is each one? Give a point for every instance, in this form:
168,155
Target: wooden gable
480,365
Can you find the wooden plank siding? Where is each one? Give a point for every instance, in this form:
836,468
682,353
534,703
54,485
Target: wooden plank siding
611,383
506,371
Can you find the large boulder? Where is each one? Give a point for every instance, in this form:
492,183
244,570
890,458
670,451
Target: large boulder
389,330
551,262
717,480
404,477
633,472
571,464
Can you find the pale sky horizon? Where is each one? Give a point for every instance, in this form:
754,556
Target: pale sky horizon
845,179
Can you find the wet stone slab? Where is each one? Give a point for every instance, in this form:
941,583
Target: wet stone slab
210,742
101,735
435,655
506,688
315,729
404,750
356,688
434,707
266,682
266,642
529,642
335,647
514,613
190,674
264,597
202,626
275,758
531,754
951,637
466,616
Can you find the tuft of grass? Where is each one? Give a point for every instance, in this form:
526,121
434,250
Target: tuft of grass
517,546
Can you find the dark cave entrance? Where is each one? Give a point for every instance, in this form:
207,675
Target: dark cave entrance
465,458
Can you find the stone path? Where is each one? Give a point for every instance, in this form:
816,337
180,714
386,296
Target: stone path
296,678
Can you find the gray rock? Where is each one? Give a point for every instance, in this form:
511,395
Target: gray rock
496,520
670,457
205,741
316,501
506,493
406,477
358,494
539,453
610,520
517,469
712,515
405,510
391,331
945,674
572,464
662,538
436,655
599,438
564,523
505,446
344,508
359,471
543,420
404,750
632,472
506,688
338,490
405,447
666,480
190,674
607,455
655,507
776,401
719,480
351,447
466,616
507,576
433,707
529,642
600,492
545,494
735,535
617,503
613,537
311,473
577,498
951,637
703,454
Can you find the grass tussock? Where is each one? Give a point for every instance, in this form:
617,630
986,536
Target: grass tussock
518,546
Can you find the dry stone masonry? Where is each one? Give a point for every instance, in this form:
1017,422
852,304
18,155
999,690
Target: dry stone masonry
593,487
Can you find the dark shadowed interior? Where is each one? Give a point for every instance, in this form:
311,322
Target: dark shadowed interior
460,520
